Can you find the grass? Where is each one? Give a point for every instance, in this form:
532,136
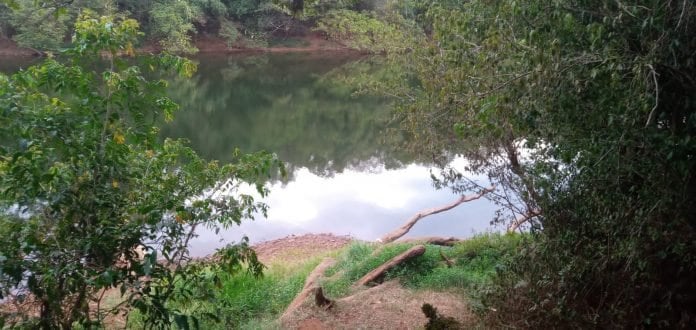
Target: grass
248,299
246,302
475,264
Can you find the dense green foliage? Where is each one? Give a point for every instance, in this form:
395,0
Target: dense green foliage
86,184
242,300
172,24
582,113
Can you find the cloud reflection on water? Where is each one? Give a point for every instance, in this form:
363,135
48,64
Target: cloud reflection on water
365,203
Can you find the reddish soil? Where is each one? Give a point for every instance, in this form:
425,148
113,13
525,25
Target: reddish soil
312,42
297,248
9,48
387,306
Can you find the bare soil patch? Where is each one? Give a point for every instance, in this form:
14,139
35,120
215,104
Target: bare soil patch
295,249
310,43
9,48
387,306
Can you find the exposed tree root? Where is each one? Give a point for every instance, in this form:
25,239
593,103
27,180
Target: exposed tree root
401,231
309,287
448,261
321,300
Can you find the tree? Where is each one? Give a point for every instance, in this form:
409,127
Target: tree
172,23
38,28
85,182
583,113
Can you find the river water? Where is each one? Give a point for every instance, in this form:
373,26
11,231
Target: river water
348,175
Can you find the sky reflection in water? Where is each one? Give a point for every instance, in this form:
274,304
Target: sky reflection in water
346,175
363,204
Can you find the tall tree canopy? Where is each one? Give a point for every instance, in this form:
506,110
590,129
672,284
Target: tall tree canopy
584,114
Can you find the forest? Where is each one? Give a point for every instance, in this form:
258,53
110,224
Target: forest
172,25
580,114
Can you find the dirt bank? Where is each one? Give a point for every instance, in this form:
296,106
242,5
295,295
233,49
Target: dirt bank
297,248
9,48
313,42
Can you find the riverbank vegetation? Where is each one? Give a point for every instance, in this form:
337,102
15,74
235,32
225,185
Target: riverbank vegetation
92,200
243,301
172,25
583,115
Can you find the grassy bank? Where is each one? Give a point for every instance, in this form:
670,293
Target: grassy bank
243,301
474,264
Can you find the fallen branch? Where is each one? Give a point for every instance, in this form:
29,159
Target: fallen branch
433,240
396,234
523,218
378,272
310,285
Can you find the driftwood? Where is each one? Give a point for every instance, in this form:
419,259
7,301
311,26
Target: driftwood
401,231
310,285
433,240
523,218
378,272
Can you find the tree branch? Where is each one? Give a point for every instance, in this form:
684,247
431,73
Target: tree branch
523,218
399,232
651,116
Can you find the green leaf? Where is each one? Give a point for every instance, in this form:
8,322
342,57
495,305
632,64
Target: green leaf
181,321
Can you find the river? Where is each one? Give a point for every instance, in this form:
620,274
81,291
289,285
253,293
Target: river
348,175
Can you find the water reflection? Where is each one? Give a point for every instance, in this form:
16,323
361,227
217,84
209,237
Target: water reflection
280,103
346,177
364,204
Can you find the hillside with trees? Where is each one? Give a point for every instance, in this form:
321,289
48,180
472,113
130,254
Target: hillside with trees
171,25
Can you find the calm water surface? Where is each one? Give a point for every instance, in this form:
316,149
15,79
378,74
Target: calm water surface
346,176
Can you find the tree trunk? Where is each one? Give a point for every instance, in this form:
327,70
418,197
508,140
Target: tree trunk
378,272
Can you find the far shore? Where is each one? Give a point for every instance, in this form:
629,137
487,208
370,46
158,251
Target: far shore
310,43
